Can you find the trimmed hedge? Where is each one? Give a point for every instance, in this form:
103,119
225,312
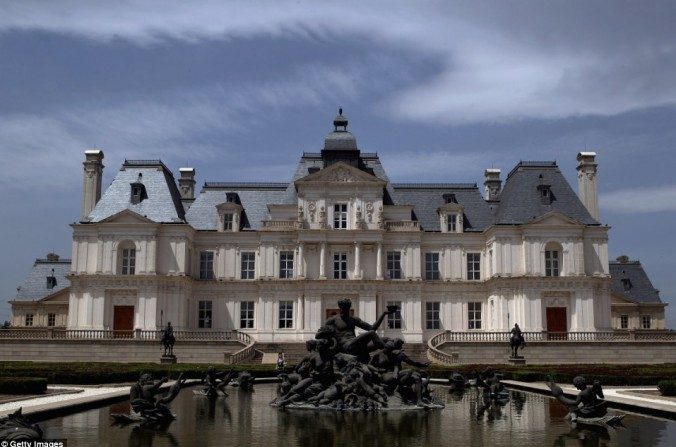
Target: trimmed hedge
667,387
23,385
98,373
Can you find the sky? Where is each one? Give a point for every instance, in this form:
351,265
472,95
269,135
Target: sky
238,90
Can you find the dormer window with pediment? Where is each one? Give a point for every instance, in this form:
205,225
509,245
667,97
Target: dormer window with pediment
229,215
451,215
138,191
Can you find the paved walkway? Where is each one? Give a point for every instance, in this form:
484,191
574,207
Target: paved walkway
623,397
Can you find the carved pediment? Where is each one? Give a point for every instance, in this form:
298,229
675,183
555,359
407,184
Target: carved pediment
127,216
340,173
554,218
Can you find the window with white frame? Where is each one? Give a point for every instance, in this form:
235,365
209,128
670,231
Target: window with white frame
286,264
128,261
246,314
248,265
624,321
285,314
206,265
51,319
228,218
452,221
340,216
474,266
552,258
340,265
474,315
646,321
29,320
394,264
204,315
432,319
432,266
394,319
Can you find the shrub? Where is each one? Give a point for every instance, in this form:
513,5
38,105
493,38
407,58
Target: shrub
667,387
23,385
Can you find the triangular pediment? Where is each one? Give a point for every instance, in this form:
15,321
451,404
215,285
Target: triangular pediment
61,296
554,219
340,173
127,216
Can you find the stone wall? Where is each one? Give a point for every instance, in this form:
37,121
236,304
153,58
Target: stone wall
562,352
123,351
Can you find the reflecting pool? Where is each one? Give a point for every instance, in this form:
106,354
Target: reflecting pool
245,419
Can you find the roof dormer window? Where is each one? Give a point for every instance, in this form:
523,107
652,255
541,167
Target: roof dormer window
229,213
626,284
138,191
51,281
545,194
450,198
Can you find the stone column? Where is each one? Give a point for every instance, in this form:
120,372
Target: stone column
357,260
301,260
152,256
99,255
379,261
322,261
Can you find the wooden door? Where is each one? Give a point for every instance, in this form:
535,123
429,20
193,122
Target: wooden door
557,323
123,320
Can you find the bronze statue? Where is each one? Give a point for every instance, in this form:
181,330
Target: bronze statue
516,340
215,382
168,340
15,427
589,406
146,408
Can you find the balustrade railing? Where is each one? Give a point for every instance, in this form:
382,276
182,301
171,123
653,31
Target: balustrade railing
402,225
104,334
281,225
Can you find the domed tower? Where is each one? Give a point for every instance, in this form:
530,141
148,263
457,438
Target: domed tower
340,145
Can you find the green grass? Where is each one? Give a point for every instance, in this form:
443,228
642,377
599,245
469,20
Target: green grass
97,373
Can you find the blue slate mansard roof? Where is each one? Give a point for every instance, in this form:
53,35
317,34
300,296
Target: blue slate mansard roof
163,202
631,282
35,285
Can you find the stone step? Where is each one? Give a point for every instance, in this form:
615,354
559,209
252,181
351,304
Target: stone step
294,352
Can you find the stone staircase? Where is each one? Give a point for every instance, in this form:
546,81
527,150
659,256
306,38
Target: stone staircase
294,352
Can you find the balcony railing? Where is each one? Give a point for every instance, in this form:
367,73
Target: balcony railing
281,225
402,225
103,334
437,355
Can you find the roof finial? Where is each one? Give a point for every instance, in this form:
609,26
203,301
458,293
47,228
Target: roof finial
340,111
340,121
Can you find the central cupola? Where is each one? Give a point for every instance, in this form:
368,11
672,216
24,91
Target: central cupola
340,145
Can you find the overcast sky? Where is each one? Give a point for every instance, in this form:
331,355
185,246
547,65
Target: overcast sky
441,90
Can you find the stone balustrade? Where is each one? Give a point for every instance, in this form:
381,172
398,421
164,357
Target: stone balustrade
281,225
402,225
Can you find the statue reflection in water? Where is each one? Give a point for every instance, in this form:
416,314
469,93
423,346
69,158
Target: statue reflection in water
145,436
585,436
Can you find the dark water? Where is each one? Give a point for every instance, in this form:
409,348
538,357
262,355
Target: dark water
245,419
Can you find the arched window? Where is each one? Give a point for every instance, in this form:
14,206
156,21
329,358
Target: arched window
127,258
553,259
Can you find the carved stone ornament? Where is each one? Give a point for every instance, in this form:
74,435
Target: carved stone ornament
369,212
340,175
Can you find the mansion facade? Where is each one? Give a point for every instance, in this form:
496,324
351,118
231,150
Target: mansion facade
272,259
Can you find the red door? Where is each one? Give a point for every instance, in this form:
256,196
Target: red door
123,321
557,323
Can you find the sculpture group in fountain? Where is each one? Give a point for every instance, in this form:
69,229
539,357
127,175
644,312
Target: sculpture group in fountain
16,427
147,409
345,371
216,381
589,407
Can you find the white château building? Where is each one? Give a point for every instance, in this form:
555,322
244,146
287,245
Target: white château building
272,259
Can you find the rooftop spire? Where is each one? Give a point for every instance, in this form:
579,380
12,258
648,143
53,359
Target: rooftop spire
340,121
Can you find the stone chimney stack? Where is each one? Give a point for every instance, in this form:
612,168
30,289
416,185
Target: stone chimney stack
586,175
186,184
492,184
91,187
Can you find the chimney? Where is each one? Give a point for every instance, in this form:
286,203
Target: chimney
586,175
492,184
186,184
91,188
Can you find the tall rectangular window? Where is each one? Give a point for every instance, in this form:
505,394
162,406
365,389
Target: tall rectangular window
340,216
248,265
432,266
474,315
286,264
624,321
646,321
246,314
473,266
340,265
206,265
204,315
432,315
285,314
29,320
394,264
227,221
452,220
551,263
128,261
51,319
394,320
